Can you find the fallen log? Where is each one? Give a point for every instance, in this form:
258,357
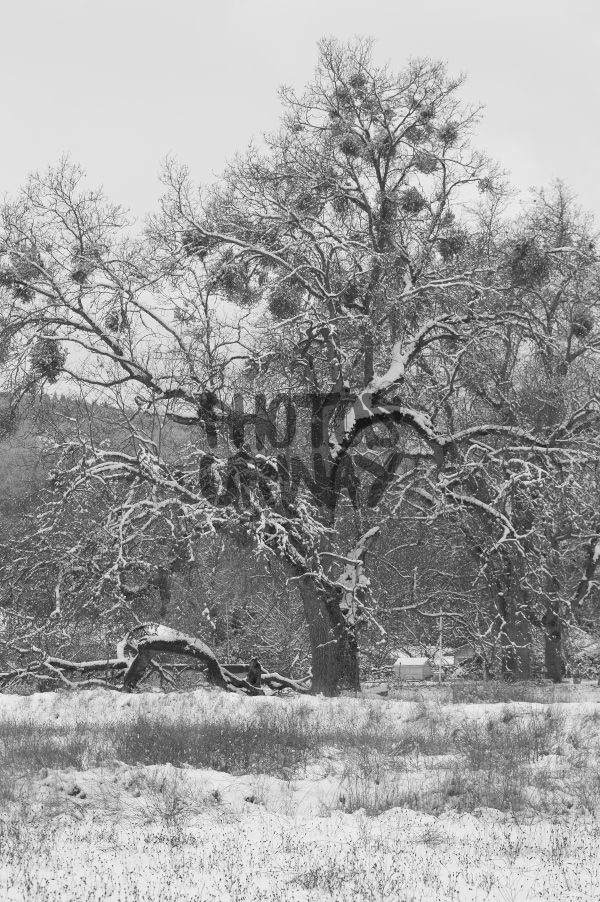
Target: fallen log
141,642
87,666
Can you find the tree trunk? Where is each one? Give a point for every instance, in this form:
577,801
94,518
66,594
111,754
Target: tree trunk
553,645
333,644
552,622
516,648
512,603
163,584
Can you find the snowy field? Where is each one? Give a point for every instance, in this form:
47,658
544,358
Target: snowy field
210,796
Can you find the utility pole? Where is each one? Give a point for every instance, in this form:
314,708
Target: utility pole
440,653
227,626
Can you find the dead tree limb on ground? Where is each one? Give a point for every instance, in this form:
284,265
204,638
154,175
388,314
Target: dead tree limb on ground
135,657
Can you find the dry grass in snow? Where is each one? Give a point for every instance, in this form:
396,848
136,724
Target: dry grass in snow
209,796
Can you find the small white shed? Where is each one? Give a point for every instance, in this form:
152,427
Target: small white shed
406,668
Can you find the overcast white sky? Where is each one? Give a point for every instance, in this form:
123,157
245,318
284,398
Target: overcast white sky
118,84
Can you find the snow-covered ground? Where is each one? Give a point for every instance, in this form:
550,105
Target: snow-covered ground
123,831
